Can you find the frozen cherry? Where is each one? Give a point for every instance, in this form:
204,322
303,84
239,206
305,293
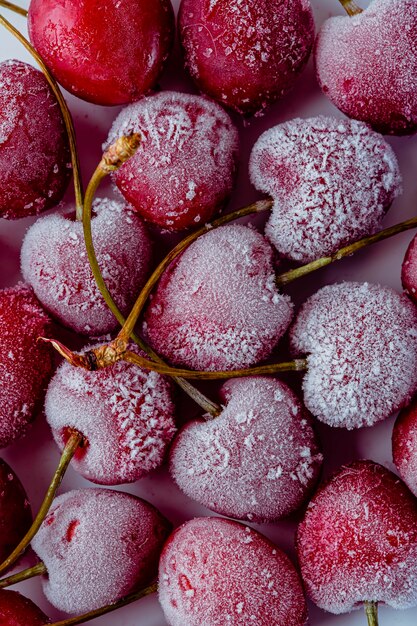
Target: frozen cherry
15,513
218,307
98,545
184,171
258,460
109,53
409,270
246,54
358,541
126,415
332,182
55,263
34,152
26,364
230,574
16,610
362,345
367,65
404,445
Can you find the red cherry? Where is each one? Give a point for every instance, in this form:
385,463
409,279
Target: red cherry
15,513
246,54
16,610
109,53
404,446
218,307
54,262
332,182
409,270
358,541
367,65
230,574
34,152
185,168
258,460
26,363
126,414
362,346
98,545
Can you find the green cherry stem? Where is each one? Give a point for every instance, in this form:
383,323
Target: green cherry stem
31,572
72,445
371,612
13,7
351,7
64,110
86,617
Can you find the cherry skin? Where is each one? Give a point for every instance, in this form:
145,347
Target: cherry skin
227,573
409,270
16,610
404,446
367,65
245,54
34,152
358,540
15,513
106,53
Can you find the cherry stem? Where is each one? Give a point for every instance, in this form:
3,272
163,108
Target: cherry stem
13,7
72,445
371,612
351,7
65,114
298,272
86,617
31,572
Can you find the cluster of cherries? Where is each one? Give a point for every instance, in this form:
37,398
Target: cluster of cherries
215,311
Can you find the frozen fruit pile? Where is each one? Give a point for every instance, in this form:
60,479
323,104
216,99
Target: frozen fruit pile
230,104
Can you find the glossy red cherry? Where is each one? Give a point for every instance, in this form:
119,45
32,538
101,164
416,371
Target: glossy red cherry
107,53
16,610
15,513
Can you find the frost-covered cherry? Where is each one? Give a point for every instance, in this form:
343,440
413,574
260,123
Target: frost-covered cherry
16,610
367,65
125,414
25,363
55,263
34,152
230,574
246,54
358,541
361,341
15,513
404,445
218,307
185,168
259,460
409,270
331,180
98,545
109,53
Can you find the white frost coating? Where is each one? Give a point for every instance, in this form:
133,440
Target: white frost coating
362,345
332,182
258,460
218,307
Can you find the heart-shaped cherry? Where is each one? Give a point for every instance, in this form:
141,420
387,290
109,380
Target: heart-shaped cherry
16,610
367,65
230,574
331,180
34,152
15,513
108,53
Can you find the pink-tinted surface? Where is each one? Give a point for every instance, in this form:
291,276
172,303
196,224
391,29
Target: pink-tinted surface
188,150
107,53
332,182
34,154
404,446
358,541
125,413
16,610
98,545
218,307
367,65
245,54
215,571
15,513
55,264
258,461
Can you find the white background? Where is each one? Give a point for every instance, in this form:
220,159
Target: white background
35,457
